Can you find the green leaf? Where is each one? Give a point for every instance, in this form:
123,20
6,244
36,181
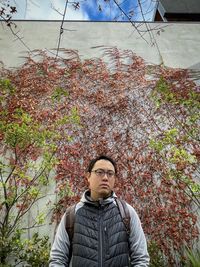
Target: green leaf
58,94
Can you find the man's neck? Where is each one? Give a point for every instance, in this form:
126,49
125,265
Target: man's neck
97,198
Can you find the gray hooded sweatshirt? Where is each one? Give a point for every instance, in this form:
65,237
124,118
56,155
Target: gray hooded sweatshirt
139,257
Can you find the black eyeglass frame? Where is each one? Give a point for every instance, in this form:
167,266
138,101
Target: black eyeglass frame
101,173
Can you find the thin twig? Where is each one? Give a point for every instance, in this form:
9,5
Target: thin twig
129,19
61,28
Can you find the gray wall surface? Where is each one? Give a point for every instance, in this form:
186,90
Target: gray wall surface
177,44
181,6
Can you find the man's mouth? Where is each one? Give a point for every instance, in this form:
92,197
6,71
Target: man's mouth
104,185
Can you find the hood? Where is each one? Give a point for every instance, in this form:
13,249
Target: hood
102,201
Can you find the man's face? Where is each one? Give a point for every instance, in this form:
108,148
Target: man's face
101,184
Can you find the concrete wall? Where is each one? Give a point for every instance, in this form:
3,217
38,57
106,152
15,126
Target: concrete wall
177,46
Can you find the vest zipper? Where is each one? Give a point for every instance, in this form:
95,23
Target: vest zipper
100,233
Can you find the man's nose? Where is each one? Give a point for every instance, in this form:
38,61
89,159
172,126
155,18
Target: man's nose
105,177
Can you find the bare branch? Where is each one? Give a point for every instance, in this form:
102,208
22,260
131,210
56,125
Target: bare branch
61,28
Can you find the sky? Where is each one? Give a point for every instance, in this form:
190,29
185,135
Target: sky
89,10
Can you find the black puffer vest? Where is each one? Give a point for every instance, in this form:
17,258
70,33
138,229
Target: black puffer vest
100,238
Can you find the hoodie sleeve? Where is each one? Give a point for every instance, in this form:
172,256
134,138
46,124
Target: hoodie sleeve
59,255
138,246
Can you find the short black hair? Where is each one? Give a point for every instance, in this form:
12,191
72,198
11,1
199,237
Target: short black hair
102,157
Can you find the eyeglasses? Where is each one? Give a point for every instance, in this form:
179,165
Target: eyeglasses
101,173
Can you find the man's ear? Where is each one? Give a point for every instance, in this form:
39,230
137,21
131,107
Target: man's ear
88,175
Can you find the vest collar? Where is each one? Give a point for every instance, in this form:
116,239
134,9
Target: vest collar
102,201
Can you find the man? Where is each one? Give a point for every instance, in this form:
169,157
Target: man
100,238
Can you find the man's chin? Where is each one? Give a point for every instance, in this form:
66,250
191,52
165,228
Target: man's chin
105,193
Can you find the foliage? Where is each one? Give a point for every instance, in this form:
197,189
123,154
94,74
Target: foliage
179,146
32,252
148,128
193,258
35,251
156,256
29,143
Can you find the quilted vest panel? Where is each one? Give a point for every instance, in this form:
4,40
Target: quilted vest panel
100,238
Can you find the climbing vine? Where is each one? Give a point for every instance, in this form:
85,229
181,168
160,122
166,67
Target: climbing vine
145,117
